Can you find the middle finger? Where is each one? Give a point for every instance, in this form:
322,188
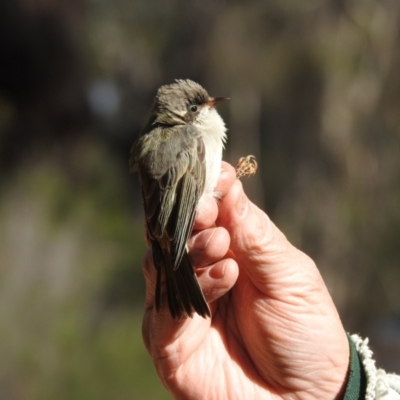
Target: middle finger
208,246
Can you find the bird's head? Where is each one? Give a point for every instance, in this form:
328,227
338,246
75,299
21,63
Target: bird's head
183,103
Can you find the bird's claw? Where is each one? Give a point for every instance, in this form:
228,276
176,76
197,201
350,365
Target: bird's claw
246,166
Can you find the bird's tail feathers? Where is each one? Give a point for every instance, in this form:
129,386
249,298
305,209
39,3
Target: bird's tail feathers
183,289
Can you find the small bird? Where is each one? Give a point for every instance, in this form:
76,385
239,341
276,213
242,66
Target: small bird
178,159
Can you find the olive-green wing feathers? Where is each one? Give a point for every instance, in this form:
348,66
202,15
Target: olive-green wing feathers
171,166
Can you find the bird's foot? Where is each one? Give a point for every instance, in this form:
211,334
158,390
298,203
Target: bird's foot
246,166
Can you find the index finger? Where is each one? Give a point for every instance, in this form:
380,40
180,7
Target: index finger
208,208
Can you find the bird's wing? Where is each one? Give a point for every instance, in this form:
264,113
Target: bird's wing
173,177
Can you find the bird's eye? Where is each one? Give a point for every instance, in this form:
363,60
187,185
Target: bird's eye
193,108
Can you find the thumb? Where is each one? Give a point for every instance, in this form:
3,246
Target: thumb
270,261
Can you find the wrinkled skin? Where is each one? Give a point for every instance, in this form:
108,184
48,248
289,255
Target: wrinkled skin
274,333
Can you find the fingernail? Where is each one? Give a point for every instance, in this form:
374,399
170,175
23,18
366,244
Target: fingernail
210,237
218,271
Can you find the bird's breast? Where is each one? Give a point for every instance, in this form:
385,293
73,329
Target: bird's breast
214,135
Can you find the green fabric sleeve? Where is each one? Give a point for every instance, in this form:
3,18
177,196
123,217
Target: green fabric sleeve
356,385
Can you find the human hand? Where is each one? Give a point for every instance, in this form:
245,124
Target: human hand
274,333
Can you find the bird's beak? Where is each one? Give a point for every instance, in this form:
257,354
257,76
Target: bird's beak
213,101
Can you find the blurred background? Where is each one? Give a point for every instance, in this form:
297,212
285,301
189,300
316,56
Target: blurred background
315,96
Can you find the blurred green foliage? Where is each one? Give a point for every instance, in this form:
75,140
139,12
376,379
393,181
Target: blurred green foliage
71,284
315,94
